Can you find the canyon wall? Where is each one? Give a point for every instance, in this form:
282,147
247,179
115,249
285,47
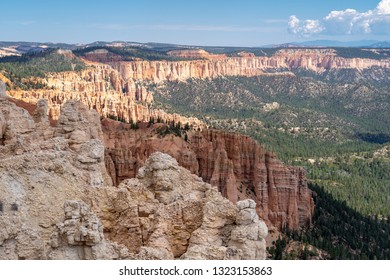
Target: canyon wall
57,200
103,89
41,167
283,60
116,88
113,105
235,163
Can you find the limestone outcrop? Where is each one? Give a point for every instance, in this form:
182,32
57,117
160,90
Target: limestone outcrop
119,88
235,163
41,167
80,236
100,88
166,212
317,60
57,200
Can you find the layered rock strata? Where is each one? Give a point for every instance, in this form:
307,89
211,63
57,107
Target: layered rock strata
317,60
103,89
113,105
57,201
41,167
116,88
236,164
166,212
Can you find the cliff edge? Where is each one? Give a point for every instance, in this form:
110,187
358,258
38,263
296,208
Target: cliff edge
58,202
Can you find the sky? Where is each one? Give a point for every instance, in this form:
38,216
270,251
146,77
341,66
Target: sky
210,23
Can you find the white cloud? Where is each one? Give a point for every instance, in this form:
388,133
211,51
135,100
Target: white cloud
304,28
348,21
384,7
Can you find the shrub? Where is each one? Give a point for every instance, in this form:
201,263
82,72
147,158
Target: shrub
14,207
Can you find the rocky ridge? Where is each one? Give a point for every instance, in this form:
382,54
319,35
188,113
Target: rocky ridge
283,61
40,168
117,88
57,200
100,88
235,163
166,212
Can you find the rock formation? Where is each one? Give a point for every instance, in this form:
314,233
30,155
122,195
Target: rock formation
41,167
317,60
2,89
118,88
57,200
242,169
127,149
167,212
195,54
103,89
81,237
235,163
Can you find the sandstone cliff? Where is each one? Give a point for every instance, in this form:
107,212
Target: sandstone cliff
247,65
57,200
117,88
40,168
112,104
166,212
236,164
100,88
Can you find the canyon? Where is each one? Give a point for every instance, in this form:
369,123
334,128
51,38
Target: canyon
93,147
235,163
120,88
58,202
283,61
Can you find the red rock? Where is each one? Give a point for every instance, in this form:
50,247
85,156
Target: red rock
235,163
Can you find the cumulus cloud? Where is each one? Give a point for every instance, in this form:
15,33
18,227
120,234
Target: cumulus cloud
348,21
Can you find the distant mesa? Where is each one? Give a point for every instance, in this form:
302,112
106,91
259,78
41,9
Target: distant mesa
195,53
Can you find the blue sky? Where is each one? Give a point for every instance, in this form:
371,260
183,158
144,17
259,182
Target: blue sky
229,23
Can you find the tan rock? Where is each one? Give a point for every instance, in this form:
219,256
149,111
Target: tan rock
236,164
249,235
58,203
2,90
80,236
165,212
39,172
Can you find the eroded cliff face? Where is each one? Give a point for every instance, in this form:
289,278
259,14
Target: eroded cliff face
57,200
282,61
242,169
127,149
235,163
166,212
117,88
103,89
113,104
41,167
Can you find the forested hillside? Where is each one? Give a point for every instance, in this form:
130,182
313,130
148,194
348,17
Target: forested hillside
335,130
340,231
